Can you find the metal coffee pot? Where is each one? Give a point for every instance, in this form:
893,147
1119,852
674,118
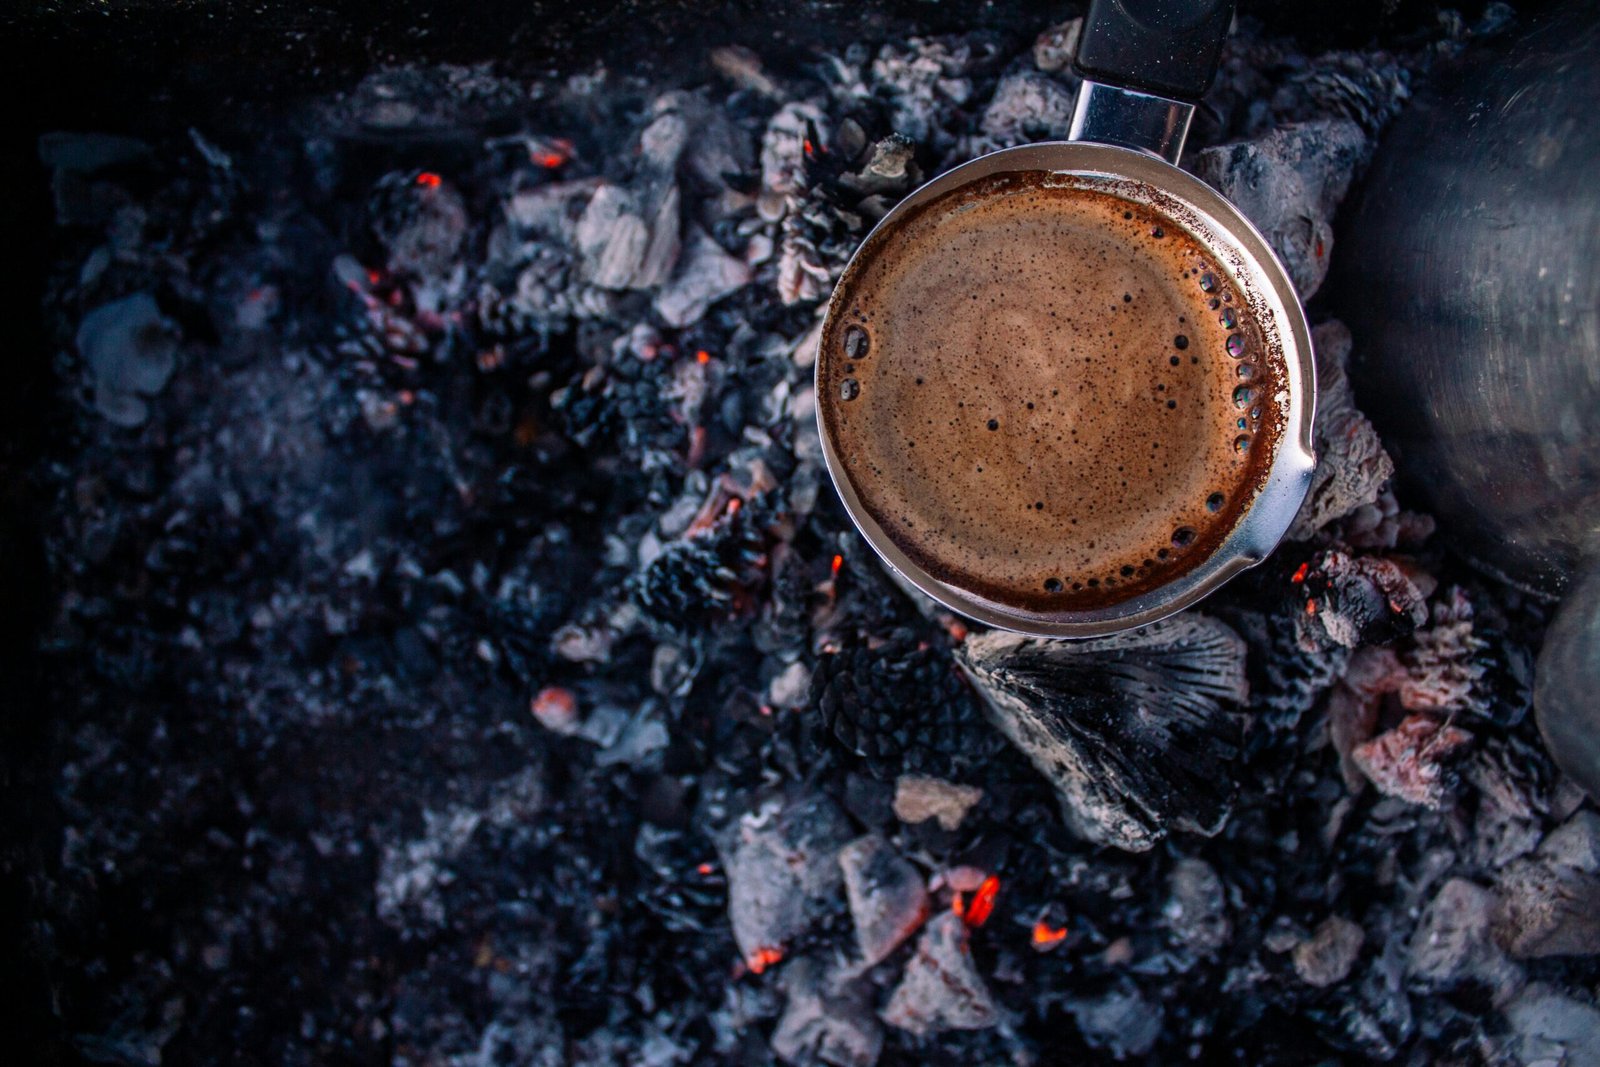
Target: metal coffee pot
1470,275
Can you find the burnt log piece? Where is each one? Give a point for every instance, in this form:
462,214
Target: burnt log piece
1137,732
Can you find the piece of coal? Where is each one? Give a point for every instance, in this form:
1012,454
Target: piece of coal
1326,957
1289,183
941,988
783,872
1195,911
1549,904
1357,600
1352,465
1453,943
888,899
1120,1021
130,349
826,1021
1137,732
1415,761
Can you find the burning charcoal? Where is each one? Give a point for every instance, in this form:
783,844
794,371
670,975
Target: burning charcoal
1549,1027
1352,466
1026,107
557,710
420,220
1414,761
824,1023
1549,905
918,799
705,274
783,156
1452,944
1357,600
1371,1014
130,350
1513,797
1134,731
1327,957
1453,668
902,707
783,872
628,241
941,988
1368,89
1121,1022
1196,912
921,80
412,875
1383,525
1289,183
1286,680
1054,49
888,899
803,272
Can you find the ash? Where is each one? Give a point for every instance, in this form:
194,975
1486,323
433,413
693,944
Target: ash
458,656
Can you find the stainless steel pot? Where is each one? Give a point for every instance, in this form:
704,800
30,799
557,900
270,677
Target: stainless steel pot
1144,62
1468,274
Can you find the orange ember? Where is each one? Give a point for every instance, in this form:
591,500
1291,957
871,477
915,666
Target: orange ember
1300,575
428,180
982,905
763,958
702,356
1047,936
1311,607
838,562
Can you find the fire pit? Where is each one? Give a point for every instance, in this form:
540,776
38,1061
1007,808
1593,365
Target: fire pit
441,645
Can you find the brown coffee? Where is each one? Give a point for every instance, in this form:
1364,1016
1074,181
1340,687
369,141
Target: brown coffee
1046,394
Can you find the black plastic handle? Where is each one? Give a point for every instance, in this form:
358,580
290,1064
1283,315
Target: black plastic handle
1167,47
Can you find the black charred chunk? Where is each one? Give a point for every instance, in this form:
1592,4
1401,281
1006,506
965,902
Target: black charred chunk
901,705
1138,732
1352,601
707,576
623,408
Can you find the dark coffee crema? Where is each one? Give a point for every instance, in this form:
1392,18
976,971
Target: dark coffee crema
1046,394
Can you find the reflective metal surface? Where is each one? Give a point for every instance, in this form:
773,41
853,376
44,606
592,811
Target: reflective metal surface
1567,680
1107,114
1468,277
1262,282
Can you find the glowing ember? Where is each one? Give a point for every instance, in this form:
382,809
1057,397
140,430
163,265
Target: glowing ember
705,868
763,958
556,709
702,356
1311,607
1300,575
838,562
1046,937
428,180
982,905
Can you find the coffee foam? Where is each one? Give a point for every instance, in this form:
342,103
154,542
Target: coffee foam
1036,389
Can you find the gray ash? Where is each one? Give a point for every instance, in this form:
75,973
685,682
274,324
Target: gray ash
452,650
